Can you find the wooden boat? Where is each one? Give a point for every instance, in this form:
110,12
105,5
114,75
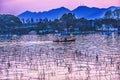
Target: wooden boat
65,40
71,39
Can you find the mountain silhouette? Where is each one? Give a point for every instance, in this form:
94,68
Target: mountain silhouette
81,11
51,14
88,13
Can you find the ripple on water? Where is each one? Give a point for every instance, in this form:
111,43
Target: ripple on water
33,57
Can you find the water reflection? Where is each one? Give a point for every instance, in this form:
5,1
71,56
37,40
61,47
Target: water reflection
34,57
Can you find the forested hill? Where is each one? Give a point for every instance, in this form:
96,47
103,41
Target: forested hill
9,20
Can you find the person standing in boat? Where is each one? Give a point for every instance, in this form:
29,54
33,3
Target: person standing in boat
65,39
71,35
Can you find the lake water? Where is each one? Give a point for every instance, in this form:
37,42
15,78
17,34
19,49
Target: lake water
36,57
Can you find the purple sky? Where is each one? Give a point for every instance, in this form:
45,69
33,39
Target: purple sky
18,6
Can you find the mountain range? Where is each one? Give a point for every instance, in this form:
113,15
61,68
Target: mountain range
81,11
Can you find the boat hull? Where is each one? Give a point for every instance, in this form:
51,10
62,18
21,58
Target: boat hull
69,40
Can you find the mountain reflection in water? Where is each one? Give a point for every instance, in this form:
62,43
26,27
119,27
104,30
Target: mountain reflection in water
33,57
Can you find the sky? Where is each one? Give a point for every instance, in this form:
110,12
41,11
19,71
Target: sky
16,7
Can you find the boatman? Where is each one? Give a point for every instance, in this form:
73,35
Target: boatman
71,36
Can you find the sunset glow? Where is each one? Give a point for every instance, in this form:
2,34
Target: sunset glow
18,6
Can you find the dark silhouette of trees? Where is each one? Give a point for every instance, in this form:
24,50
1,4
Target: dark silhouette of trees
68,19
32,21
108,14
9,20
68,22
113,22
42,26
8,23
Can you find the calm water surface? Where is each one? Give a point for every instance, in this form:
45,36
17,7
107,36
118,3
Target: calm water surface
35,57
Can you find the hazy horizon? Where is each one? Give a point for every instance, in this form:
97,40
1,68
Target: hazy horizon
16,7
